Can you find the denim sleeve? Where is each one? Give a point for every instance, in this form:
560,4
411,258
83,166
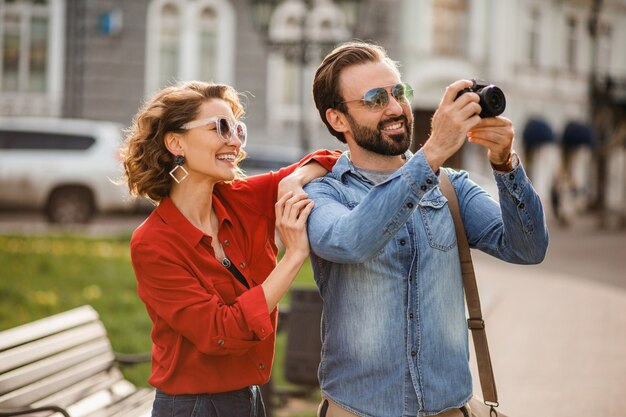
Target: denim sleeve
345,231
513,231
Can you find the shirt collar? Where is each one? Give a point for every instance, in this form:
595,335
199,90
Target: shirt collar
175,219
345,165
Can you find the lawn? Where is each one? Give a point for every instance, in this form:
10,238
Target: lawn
44,275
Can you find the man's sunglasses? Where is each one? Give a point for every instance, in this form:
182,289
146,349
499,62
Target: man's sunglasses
378,98
226,130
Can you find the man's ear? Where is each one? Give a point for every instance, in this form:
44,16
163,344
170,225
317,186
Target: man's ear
337,120
173,143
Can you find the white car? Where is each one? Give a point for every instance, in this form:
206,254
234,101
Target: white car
71,169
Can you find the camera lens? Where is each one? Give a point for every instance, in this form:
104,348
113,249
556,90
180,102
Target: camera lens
492,101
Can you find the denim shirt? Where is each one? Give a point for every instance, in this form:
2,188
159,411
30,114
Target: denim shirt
394,331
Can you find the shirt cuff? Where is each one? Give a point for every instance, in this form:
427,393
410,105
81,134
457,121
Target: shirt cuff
254,309
514,182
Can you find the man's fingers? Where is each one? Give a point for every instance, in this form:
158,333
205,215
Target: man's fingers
453,89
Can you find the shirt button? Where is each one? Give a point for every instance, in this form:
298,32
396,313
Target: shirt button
409,204
220,342
227,242
512,177
515,186
261,366
521,205
410,315
413,353
423,187
402,242
242,265
429,181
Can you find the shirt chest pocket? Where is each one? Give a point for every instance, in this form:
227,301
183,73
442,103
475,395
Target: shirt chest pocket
437,220
225,289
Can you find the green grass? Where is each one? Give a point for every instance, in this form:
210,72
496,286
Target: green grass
44,275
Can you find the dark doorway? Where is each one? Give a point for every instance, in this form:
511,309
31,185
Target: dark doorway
421,131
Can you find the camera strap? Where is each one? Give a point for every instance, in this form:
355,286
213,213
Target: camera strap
475,321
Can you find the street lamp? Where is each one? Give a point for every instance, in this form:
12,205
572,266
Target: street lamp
301,30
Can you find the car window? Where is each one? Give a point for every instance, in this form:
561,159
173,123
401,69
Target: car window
10,139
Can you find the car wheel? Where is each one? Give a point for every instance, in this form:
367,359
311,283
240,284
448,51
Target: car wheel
70,205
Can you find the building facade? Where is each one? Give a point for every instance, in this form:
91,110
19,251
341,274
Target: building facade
100,59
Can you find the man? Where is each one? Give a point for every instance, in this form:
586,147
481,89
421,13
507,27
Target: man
384,252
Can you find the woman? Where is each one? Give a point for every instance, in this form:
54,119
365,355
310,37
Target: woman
205,259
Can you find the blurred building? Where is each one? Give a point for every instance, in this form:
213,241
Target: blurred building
558,61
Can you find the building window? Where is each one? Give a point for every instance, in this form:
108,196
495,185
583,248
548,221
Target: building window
169,48
31,57
534,31
208,44
572,44
605,35
187,40
450,27
24,36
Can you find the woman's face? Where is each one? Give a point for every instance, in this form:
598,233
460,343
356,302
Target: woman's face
206,152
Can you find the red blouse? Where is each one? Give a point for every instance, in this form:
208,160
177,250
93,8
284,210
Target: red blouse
209,332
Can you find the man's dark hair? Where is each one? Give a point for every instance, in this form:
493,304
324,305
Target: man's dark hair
326,82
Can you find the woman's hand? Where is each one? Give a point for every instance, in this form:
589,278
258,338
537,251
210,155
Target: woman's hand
292,212
300,177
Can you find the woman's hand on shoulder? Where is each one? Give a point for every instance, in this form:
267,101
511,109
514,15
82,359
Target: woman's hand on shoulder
292,212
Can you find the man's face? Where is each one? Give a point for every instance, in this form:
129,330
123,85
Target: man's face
386,130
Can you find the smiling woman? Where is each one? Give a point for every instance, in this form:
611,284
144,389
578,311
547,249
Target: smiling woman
205,259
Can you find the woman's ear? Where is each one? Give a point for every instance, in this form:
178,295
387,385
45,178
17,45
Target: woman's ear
173,143
337,120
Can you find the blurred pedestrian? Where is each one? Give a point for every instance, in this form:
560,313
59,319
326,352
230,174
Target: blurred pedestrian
205,258
383,243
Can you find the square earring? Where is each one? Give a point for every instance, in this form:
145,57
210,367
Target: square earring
185,173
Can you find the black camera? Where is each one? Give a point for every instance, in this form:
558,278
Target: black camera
492,100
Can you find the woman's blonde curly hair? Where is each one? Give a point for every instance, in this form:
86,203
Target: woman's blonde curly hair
147,162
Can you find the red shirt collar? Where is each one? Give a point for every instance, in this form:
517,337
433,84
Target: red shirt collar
170,214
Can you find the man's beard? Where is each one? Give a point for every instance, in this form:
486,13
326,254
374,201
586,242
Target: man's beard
374,141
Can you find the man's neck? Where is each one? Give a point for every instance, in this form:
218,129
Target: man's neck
375,161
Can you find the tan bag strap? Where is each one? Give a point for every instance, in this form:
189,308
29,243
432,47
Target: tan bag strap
475,322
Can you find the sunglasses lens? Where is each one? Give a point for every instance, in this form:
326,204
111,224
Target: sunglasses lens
376,98
402,92
242,133
223,128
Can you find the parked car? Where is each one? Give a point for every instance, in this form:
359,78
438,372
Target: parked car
68,168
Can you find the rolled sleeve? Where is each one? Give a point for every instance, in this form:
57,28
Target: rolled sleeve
254,309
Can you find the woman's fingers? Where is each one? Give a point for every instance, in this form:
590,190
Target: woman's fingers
289,208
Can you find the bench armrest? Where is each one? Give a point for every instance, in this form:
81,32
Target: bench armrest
132,358
10,412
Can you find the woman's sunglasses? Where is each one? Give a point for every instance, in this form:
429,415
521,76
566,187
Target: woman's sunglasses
226,130
378,98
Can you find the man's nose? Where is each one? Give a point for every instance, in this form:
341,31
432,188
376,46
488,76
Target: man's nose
394,107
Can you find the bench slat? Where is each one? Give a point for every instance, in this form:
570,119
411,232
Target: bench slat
82,389
46,326
123,406
47,386
41,369
31,352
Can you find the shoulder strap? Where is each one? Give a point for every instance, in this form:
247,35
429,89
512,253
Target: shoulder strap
236,273
475,322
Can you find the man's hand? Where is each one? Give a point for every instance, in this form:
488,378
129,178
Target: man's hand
497,135
451,122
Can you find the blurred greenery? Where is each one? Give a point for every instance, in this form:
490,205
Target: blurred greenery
45,275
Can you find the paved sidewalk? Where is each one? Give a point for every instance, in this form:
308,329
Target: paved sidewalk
558,343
